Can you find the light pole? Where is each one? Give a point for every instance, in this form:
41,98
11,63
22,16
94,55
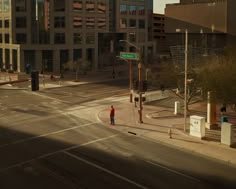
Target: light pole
185,76
140,79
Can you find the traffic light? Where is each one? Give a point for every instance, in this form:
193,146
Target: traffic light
143,98
136,99
35,80
135,85
144,87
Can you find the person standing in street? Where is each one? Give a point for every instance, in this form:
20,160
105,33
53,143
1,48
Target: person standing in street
112,115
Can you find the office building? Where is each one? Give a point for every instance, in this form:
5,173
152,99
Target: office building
48,34
210,23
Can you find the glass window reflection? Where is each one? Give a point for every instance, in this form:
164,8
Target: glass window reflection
123,9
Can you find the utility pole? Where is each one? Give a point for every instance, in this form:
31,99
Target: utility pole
130,81
185,79
140,88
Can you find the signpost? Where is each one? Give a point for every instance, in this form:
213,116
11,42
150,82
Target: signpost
129,56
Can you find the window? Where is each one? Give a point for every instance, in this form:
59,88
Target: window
123,23
141,24
123,9
6,5
0,38
6,23
132,10
59,5
132,37
77,5
20,5
90,6
59,22
101,7
7,38
20,38
77,38
90,38
0,23
77,22
59,38
141,10
90,22
101,22
21,22
132,23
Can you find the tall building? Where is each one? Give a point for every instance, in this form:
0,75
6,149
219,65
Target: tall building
159,35
50,33
210,23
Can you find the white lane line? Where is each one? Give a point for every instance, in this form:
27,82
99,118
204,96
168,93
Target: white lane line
55,152
106,170
173,171
45,96
45,135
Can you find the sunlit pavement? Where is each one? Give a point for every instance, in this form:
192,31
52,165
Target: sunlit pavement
156,123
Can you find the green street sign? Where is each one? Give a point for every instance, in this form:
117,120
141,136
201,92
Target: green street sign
129,56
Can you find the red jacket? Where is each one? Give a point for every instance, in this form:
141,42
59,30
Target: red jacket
112,112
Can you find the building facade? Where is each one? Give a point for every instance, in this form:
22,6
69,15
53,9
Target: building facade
209,23
159,35
48,34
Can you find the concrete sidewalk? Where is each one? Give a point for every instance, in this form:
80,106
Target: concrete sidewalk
69,79
156,128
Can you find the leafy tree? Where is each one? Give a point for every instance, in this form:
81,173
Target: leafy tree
218,75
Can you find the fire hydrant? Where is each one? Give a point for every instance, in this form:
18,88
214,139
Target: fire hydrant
170,133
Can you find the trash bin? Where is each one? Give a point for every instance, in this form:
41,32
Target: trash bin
224,119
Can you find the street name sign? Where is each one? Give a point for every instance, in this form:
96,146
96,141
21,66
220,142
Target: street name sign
129,56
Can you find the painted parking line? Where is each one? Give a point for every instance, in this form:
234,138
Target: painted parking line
106,170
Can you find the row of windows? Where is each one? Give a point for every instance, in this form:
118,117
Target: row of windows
132,10
132,23
59,5
60,22
59,38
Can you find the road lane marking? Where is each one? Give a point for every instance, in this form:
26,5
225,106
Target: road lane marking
56,99
47,134
173,171
106,170
58,151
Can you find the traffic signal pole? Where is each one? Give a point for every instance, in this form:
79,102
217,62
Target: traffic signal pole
130,81
140,88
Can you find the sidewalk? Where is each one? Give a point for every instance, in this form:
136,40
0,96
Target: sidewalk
156,128
69,79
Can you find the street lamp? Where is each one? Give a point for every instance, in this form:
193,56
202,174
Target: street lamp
140,79
185,76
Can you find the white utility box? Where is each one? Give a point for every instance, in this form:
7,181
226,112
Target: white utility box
177,107
227,133
197,126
